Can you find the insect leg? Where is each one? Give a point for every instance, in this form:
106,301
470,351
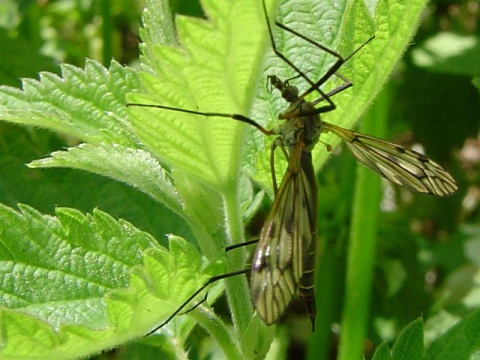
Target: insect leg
277,143
237,117
314,86
246,243
198,291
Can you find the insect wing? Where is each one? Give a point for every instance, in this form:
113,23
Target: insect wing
279,260
401,166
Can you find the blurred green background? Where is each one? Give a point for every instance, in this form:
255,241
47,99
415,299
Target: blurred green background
428,255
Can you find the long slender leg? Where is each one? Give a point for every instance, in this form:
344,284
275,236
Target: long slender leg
246,243
347,83
330,72
326,108
275,144
333,69
186,302
237,117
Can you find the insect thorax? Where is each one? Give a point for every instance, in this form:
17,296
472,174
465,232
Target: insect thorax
301,124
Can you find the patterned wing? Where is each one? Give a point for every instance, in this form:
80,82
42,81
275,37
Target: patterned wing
403,167
281,253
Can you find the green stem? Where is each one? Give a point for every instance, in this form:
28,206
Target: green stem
331,265
363,237
237,286
217,329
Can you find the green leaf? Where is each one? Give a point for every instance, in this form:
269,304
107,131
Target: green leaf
84,191
462,341
220,64
73,285
158,25
393,23
134,167
218,68
382,353
86,104
213,71
409,345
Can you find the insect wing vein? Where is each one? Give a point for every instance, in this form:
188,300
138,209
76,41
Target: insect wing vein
285,240
401,166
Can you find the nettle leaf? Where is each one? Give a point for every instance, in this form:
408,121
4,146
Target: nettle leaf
86,104
382,353
73,285
329,24
409,344
215,69
134,167
461,341
220,66
107,281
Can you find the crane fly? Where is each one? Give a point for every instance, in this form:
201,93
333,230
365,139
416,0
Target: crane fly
284,259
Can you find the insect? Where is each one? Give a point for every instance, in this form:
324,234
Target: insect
284,258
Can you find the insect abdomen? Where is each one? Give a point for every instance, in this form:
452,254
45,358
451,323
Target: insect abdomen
307,281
